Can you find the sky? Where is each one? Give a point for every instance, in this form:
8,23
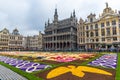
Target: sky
29,16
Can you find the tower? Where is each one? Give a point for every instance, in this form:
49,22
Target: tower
55,16
71,17
48,21
106,5
45,25
15,32
74,14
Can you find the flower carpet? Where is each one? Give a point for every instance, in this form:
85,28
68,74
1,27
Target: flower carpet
58,57
69,58
107,60
24,65
70,66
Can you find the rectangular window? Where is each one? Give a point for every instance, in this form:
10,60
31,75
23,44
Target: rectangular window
114,30
96,26
114,22
114,38
91,27
102,24
103,39
87,28
81,40
108,31
96,32
81,33
103,32
91,19
107,23
87,34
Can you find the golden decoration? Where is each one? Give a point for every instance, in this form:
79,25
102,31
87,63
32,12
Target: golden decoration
77,71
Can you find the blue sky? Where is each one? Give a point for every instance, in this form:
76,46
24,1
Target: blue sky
29,16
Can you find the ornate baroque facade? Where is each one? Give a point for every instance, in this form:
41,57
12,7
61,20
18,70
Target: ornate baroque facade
34,42
15,40
61,34
4,39
102,32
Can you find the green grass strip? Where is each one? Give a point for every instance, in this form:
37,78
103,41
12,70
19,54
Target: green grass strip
22,73
118,68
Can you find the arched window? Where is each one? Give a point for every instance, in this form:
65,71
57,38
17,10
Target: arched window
91,34
86,27
87,34
91,26
96,26
91,19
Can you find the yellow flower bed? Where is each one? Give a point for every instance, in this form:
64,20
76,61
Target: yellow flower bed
77,71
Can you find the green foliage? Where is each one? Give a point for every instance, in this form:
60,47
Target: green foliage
118,68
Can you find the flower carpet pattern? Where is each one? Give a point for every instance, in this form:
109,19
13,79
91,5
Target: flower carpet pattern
69,58
77,71
58,57
24,65
107,60
59,69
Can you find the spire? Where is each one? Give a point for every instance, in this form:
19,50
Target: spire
15,32
106,5
73,13
56,11
71,16
48,21
56,16
45,25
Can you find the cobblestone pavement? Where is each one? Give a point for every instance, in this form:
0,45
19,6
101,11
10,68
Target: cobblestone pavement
7,74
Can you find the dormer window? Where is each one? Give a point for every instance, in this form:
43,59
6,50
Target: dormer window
91,19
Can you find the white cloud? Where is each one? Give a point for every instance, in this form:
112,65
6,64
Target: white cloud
29,16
